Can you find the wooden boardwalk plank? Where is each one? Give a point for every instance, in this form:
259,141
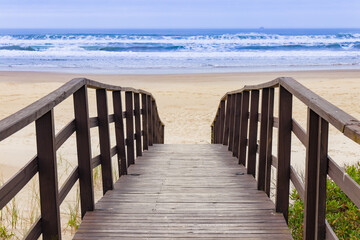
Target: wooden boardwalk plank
184,191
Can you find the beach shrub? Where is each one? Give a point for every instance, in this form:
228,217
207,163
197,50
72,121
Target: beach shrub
342,215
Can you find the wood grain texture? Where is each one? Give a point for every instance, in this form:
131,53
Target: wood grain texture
232,122
284,152
237,125
137,114
129,128
243,127
83,144
263,138
199,192
269,142
150,120
119,133
48,180
145,121
104,138
253,127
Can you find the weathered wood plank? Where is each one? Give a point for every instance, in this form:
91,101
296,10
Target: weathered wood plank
145,122
104,138
84,150
253,127
269,155
137,124
284,151
237,125
129,128
119,133
263,138
243,127
48,181
199,191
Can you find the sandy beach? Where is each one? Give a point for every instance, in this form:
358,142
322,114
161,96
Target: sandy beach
186,102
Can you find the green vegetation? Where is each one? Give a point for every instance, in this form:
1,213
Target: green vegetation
342,215
75,217
5,234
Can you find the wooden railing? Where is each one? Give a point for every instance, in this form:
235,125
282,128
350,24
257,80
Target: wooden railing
150,132
236,126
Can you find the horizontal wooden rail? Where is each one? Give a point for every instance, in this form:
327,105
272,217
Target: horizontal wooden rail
319,165
41,112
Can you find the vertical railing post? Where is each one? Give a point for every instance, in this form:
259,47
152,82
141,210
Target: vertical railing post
237,125
284,151
104,138
150,120
253,127
322,180
315,177
212,133
48,181
119,133
225,139
137,124
217,128
162,134
222,120
243,127
129,127
270,127
232,122
145,122
263,138
154,122
84,150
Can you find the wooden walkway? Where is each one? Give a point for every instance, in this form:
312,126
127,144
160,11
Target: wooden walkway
185,191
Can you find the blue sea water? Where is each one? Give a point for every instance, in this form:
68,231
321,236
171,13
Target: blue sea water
178,50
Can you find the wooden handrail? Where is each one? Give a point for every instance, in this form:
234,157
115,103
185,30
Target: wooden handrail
41,112
319,164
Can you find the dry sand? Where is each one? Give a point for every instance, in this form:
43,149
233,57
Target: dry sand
187,104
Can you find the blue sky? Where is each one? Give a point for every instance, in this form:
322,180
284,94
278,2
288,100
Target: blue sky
179,13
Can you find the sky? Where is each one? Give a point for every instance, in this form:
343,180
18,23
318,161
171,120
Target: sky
179,13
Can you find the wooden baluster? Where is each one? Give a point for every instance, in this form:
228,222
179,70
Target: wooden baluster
129,127
119,133
137,124
321,180
269,142
263,138
222,120
315,177
84,150
212,133
243,127
48,180
225,140
237,125
232,122
154,122
216,128
104,137
284,151
150,120
162,134
145,122
254,112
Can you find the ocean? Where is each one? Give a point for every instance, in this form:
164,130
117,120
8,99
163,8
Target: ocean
133,51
